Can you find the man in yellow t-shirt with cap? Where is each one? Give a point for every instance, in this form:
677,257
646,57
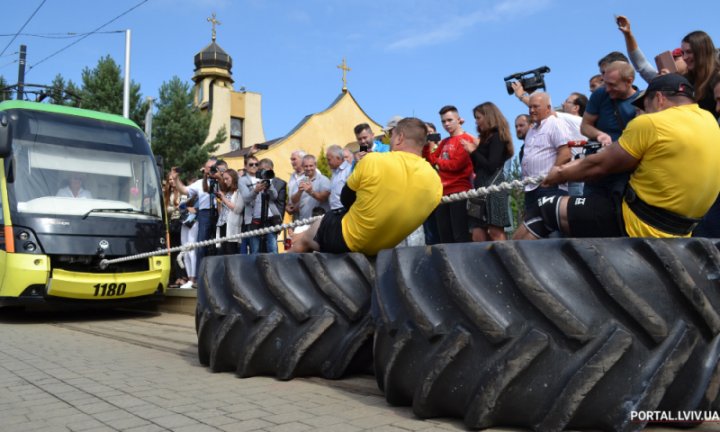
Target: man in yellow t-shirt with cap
388,195
674,152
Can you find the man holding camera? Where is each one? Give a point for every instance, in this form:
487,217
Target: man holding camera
260,211
313,189
673,155
367,142
545,146
204,205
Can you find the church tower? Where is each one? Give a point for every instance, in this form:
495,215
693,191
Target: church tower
239,112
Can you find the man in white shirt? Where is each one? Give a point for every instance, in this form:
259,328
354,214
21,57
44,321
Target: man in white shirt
296,163
341,171
74,189
545,147
313,189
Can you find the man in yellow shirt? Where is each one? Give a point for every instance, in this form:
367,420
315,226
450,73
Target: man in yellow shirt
674,152
388,195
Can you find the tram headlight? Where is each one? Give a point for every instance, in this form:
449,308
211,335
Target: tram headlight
27,241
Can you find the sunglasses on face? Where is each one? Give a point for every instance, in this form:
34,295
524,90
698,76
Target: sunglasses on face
252,164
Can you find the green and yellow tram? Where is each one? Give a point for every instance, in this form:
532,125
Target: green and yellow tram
77,187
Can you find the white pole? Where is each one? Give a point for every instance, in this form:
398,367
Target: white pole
148,120
126,87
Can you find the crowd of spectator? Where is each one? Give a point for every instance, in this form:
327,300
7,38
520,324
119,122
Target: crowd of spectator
652,172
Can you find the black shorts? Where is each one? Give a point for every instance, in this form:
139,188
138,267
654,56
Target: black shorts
588,216
329,234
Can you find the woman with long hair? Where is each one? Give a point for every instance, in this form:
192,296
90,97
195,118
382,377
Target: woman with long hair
488,216
703,64
233,206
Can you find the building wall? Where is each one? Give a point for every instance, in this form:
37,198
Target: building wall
248,106
220,116
332,126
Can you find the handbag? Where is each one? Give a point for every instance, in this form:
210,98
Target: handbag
188,219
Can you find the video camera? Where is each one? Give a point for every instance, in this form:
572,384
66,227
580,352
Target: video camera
265,175
533,79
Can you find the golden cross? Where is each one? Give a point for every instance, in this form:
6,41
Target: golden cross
214,22
345,69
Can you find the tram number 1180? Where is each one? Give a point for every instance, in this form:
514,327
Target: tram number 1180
109,290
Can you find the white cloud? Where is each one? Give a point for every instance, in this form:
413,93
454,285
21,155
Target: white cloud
454,27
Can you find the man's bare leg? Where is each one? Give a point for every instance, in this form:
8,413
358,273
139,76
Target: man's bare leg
305,241
564,226
523,233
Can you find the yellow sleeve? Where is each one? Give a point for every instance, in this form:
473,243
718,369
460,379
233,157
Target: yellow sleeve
637,136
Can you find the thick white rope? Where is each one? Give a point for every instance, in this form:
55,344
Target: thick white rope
472,193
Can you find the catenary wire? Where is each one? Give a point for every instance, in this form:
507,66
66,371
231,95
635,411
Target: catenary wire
23,26
86,35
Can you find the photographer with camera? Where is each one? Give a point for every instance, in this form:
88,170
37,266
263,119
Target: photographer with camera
279,184
545,146
204,205
261,211
525,83
231,205
366,139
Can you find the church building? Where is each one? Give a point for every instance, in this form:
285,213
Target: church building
240,112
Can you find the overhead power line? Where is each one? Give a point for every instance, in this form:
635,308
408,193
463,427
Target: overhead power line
68,35
87,34
23,27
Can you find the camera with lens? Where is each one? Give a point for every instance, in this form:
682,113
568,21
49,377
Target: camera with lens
265,175
531,80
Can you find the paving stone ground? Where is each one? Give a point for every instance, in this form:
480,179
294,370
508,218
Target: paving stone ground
118,371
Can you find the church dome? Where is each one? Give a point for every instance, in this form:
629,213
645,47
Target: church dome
212,56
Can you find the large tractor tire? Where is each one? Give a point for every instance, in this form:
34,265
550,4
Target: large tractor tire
285,315
551,334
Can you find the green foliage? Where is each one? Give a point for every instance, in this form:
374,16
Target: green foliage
4,94
102,90
62,93
180,130
517,196
322,164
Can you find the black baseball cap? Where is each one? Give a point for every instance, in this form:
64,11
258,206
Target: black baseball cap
672,82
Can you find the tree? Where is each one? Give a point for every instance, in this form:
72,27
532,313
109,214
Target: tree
102,90
322,163
62,93
180,129
4,94
517,196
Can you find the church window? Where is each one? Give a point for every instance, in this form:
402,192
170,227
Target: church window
236,133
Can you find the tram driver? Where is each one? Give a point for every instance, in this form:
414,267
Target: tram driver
75,188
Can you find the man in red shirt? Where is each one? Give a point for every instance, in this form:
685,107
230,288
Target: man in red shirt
453,163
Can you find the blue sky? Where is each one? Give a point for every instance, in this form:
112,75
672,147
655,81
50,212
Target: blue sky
408,57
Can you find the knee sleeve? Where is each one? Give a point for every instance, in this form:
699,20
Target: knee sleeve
544,219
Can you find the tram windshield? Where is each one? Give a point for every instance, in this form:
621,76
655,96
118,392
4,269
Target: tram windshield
74,166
